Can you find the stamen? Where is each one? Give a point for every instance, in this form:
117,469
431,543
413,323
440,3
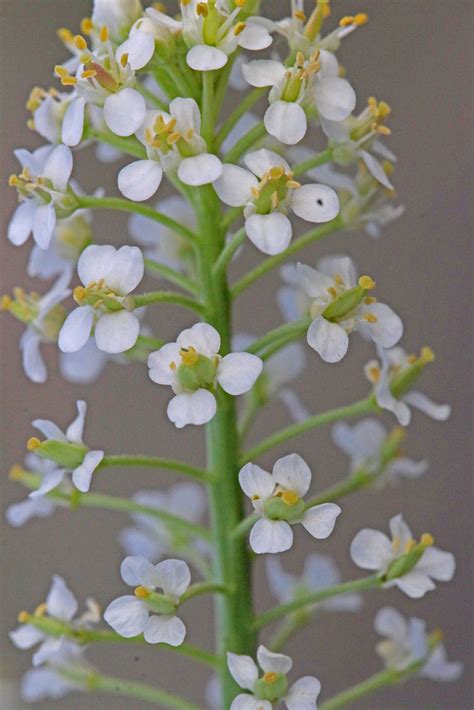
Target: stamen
79,294
189,356
41,609
65,35
239,28
396,542
370,318
409,545
15,473
33,443
142,592
290,497
270,677
427,355
80,42
427,540
86,26
124,59
104,34
367,283
23,617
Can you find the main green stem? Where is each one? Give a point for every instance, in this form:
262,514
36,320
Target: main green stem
231,561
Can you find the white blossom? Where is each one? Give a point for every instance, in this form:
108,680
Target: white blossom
373,550
277,498
107,274
338,304
17,514
268,192
407,642
273,685
193,368
148,612
117,15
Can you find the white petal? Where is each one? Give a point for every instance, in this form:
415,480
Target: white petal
388,327
271,233
270,661
255,37
61,602
173,576
296,409
136,570
50,480
49,429
139,47
341,265
244,701
292,472
407,467
320,520
126,270
335,98
75,430
233,186
371,549
315,283
165,629
127,616
84,366
439,668
438,564
94,262
329,64
270,536
76,329
117,332
44,222
282,583
42,683
399,530
328,339
263,72
243,670
58,167
361,441
238,372
260,161
315,203
196,408
375,168
202,57
73,122
33,363
286,121
389,622
200,169
203,337
82,475
439,412
415,584
26,636
303,694
124,112
19,513
159,364
140,180
21,223
187,114
254,481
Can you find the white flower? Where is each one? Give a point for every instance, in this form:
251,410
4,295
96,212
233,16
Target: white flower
174,144
43,683
339,304
48,109
212,31
310,82
43,189
272,686
85,460
364,443
148,612
153,538
268,192
117,15
193,367
415,564
393,364
20,513
161,243
407,642
277,498
108,274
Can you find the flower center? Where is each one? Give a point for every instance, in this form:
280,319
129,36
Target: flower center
298,76
290,497
272,189
164,137
98,295
195,371
270,677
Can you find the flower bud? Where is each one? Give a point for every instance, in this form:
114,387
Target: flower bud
62,452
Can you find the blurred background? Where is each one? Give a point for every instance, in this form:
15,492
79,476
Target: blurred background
414,54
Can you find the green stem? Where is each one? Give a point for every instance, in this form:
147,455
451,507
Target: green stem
245,105
154,462
130,146
179,81
324,157
171,275
289,627
358,480
295,329
245,143
252,406
277,612
279,345
364,406
220,86
151,97
199,588
116,203
167,297
230,216
208,108
228,252
272,262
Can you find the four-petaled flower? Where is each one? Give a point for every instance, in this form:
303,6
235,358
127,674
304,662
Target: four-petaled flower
268,192
401,561
278,499
193,368
148,612
108,275
273,685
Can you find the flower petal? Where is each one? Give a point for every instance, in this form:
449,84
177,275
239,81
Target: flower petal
192,408
371,549
117,332
320,520
439,412
386,330
270,536
136,570
260,161
139,48
389,622
415,584
303,694
33,363
438,564
375,169
328,339
234,185
126,270
124,112
243,670
335,98
58,167
202,57
201,336
238,372
200,169
94,262
159,363
244,701
73,122
165,629
75,430
44,222
292,472
273,662
173,576
140,180
61,602
263,72
127,615
21,223
271,233
26,636
315,203
286,121
82,475
255,482
76,329
255,37
50,480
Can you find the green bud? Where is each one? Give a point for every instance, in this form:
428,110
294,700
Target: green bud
404,381
271,687
64,453
276,509
344,304
406,562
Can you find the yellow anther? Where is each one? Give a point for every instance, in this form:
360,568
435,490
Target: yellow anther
104,34
299,15
367,283
332,291
253,191
412,359
173,138
159,6
293,184
201,9
338,279
88,73
79,294
361,19
427,540
31,124
86,25
188,136
374,373
5,302
124,59
346,21
290,497
437,635
384,109
274,200
80,42
41,609
239,28
23,617
409,545
299,59
15,473
61,71
427,355
189,356
255,497
326,10
388,167
240,3
142,592
173,366
370,318
69,81
270,677
65,35
276,172
149,135
396,544
33,443
383,130
370,299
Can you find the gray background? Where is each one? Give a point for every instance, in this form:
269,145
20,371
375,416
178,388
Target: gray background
415,54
